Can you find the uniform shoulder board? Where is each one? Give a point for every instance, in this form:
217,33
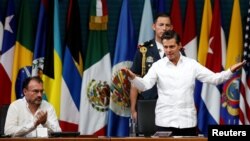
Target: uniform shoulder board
147,44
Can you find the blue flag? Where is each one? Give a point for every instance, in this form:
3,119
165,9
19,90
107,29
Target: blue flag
72,71
41,38
159,6
119,112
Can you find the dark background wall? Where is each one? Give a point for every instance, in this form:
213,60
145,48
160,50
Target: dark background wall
136,7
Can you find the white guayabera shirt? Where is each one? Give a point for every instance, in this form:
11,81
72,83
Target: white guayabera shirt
175,83
20,121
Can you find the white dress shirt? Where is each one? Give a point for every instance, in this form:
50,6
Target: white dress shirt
20,121
175,83
160,48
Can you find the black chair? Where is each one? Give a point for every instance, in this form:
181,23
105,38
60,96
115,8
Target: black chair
3,114
146,118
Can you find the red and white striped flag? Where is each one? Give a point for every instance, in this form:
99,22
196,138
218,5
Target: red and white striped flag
244,114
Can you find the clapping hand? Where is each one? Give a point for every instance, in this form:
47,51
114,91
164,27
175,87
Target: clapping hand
41,117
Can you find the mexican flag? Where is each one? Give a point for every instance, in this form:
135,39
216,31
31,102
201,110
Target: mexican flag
96,81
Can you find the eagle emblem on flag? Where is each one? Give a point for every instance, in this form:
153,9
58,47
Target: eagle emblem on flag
98,93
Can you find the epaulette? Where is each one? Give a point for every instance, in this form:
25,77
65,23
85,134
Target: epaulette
146,44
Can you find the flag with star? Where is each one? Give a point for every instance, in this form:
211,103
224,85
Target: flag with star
202,56
6,59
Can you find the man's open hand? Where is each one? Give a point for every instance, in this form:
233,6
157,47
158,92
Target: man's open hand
128,72
237,66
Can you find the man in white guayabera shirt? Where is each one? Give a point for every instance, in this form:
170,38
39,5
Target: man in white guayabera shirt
31,112
175,77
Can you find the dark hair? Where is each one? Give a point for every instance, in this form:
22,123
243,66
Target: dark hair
27,81
171,34
161,15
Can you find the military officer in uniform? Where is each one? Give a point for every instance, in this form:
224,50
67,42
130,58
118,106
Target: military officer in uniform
148,53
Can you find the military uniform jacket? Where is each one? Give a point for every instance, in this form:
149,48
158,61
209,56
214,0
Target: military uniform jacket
151,55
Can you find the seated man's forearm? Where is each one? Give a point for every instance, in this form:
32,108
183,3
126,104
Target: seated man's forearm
17,131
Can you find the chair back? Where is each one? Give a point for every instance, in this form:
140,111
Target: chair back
146,117
3,114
